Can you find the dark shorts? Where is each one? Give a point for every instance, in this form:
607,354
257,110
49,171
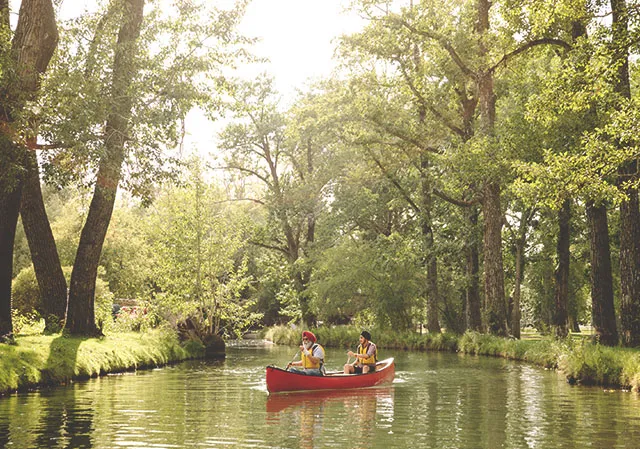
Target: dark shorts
358,369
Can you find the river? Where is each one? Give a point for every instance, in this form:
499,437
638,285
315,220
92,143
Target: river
438,400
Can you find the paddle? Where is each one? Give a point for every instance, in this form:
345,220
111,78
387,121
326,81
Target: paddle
292,359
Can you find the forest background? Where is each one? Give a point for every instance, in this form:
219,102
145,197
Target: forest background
469,165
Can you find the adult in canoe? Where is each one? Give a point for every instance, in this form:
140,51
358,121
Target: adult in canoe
366,356
311,360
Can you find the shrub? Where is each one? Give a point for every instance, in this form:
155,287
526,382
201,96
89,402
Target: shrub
25,293
27,302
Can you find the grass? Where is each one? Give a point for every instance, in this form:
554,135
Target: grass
38,360
577,357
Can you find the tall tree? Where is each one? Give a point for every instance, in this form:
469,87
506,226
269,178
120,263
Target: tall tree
23,62
628,173
138,78
81,314
603,316
291,185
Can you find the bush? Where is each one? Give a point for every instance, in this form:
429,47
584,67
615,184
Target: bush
27,303
25,293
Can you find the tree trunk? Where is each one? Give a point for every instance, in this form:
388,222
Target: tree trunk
493,268
561,314
44,254
9,207
515,313
630,267
603,313
81,313
473,305
430,260
34,41
629,212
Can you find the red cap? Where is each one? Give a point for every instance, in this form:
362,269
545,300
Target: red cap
309,335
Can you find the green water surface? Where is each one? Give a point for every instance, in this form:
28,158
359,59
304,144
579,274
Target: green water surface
437,401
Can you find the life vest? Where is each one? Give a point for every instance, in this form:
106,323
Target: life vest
306,361
369,360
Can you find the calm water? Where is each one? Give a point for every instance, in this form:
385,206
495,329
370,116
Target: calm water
437,401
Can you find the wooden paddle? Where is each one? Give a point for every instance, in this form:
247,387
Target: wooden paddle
294,357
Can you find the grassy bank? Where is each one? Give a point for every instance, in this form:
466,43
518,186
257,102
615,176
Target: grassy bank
55,359
580,360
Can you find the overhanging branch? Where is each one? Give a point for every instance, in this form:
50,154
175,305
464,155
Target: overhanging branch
527,46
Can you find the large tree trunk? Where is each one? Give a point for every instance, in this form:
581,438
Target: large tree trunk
33,43
629,212
561,313
603,313
473,301
81,313
493,267
9,209
44,254
496,312
630,266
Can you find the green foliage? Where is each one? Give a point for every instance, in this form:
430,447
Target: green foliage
200,272
126,255
25,293
596,364
382,276
27,302
141,318
26,324
182,51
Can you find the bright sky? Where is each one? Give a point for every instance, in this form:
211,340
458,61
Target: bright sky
295,35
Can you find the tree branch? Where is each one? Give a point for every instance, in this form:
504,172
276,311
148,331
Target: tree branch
440,40
527,46
396,133
424,102
285,251
457,202
394,181
247,170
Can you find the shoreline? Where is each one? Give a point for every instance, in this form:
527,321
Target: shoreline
50,360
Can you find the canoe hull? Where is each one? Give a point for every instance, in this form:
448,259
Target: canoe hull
279,380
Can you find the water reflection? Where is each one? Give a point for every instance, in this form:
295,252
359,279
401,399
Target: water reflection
361,410
47,419
437,401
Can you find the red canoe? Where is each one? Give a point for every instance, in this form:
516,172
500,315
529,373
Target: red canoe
281,380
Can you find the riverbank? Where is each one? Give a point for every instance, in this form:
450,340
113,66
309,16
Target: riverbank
577,358
45,360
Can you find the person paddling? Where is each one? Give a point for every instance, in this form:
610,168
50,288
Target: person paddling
366,356
311,360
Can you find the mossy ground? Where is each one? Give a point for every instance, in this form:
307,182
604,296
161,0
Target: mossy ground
38,360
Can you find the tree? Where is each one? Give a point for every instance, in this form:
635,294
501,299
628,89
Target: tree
286,169
630,206
200,266
80,314
23,62
136,90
